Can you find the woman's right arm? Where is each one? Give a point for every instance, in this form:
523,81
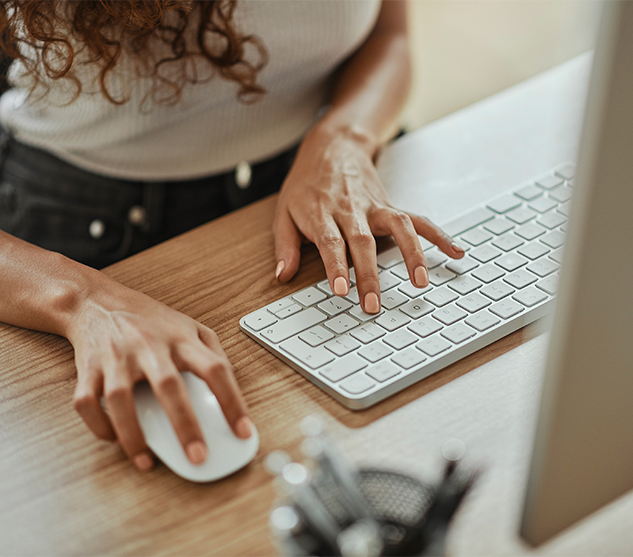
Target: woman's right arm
120,337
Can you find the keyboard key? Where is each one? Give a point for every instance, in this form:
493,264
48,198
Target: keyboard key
563,209
468,221
315,336
279,305
412,291
352,295
504,203
511,261
529,231
488,273
449,314
530,296
567,171
549,284
561,194
440,275
529,192
383,371
341,324
342,345
476,237
473,302
324,285
368,333
425,327
521,215
312,357
508,242
533,251
483,320
499,226
288,311
549,182
293,325
497,290
389,258
334,306
461,266
357,384
441,296
542,204
416,308
392,320
520,278
458,333
551,220
309,296
401,271
400,339
359,314
375,351
260,319
408,358
433,346
506,309
464,285
392,299
554,239
484,254
387,280
543,267
434,258
557,255
342,368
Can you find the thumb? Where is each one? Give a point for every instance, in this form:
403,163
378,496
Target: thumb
287,247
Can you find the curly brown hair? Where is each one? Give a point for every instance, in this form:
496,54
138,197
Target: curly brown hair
47,36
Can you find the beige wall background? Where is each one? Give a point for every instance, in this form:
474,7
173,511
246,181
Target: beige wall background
466,50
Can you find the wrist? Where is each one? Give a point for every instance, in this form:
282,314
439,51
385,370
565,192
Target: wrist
332,126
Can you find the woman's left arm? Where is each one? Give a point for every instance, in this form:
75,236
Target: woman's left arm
332,195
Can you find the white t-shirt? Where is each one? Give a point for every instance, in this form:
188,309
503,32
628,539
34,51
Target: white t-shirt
209,130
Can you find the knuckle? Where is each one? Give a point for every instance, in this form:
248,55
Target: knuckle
118,393
83,400
168,384
330,240
400,219
362,238
217,369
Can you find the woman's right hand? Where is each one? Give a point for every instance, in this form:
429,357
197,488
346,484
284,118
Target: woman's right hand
122,337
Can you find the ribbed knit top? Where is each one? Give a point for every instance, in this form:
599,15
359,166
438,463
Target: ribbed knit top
209,130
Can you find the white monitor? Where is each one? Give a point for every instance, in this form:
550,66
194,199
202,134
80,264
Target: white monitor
583,451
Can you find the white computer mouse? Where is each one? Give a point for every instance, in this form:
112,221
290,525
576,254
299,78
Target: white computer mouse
227,453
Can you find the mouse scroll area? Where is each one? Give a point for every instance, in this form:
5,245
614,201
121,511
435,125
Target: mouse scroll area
227,453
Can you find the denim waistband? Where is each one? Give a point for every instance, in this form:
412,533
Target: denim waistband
98,220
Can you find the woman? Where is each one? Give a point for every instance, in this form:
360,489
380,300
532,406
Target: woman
131,121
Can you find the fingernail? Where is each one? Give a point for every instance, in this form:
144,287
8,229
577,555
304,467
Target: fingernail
243,428
340,286
421,276
280,267
196,452
143,462
457,247
371,303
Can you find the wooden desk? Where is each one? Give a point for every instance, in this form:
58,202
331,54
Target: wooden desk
64,492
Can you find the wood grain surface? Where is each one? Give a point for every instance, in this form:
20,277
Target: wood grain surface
64,492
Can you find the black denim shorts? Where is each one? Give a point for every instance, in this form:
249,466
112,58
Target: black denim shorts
99,220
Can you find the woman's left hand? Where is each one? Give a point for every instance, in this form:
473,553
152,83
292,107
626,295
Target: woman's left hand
333,197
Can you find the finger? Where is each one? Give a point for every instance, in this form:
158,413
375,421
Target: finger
88,405
118,392
171,392
434,234
401,228
332,248
287,247
362,247
211,364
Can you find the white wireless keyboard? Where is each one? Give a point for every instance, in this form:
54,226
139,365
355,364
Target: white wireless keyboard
506,280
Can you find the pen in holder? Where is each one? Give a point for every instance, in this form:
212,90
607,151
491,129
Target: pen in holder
332,508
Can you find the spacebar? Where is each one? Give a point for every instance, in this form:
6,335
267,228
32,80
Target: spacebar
293,325
467,221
